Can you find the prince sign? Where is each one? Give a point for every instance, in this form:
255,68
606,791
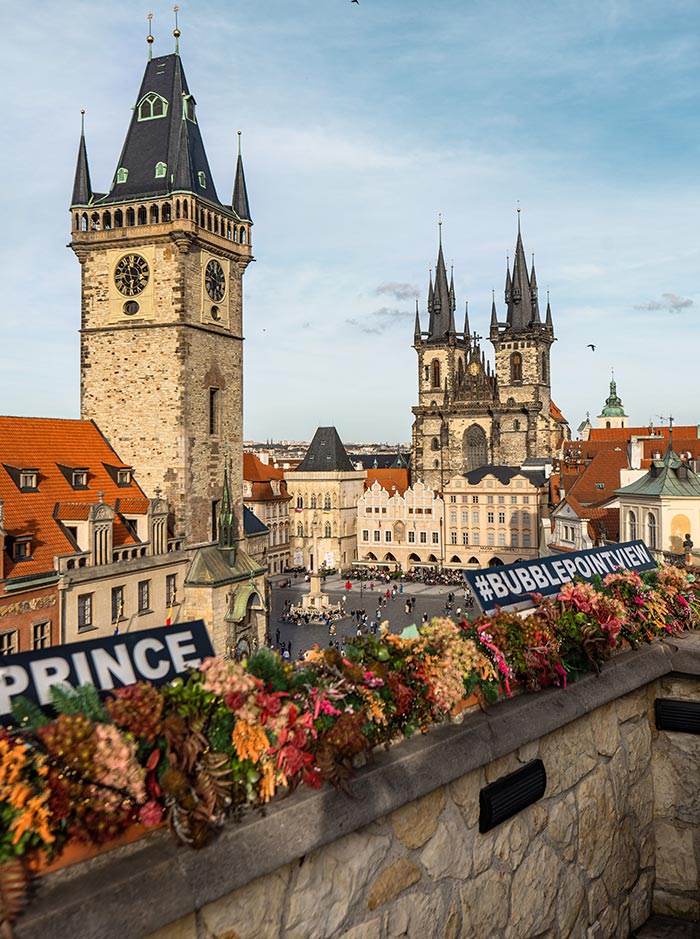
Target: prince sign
155,655
513,583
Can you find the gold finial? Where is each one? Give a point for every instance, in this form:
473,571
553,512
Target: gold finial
176,31
149,37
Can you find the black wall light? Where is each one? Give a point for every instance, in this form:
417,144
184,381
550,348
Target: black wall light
511,794
680,716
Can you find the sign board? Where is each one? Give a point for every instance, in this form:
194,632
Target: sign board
298,559
329,559
155,655
513,583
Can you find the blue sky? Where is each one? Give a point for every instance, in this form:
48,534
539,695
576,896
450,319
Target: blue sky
361,122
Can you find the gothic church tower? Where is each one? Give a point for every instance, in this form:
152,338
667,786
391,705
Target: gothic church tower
162,262
469,415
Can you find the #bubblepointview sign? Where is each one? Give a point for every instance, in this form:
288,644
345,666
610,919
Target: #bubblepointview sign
155,655
512,584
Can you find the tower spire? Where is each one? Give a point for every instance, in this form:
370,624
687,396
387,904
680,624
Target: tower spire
509,283
416,329
520,307
534,293
467,330
494,315
239,203
149,38
439,299
82,187
176,31
548,319
226,539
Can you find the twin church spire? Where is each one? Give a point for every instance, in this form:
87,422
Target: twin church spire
163,152
521,298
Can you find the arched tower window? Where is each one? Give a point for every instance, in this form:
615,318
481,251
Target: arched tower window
651,530
326,502
516,424
327,530
151,106
300,502
632,523
142,215
434,444
154,215
165,213
516,367
130,217
436,373
185,209
545,370
313,502
300,530
474,448
242,235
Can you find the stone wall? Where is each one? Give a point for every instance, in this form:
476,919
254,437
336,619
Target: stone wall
676,774
615,835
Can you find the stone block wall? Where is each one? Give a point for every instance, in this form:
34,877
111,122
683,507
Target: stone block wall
676,776
584,854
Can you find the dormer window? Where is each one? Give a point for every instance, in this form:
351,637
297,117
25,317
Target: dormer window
202,177
22,548
161,170
79,478
152,106
28,479
122,174
188,106
124,477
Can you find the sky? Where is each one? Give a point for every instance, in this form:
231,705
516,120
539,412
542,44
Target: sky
361,122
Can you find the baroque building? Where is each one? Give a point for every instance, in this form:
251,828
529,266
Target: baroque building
162,261
470,414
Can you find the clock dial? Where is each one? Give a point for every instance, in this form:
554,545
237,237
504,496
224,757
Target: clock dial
474,368
131,275
215,280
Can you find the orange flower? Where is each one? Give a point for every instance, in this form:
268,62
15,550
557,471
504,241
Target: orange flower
250,741
267,781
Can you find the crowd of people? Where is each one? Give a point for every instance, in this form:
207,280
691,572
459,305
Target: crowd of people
430,576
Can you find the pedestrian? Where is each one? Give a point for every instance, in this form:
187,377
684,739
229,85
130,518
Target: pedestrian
371,586
289,645
425,618
400,588
359,632
285,654
277,636
407,608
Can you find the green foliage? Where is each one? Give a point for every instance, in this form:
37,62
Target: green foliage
266,665
28,715
220,730
189,698
82,700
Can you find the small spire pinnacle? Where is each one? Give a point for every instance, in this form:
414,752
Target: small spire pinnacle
440,227
466,321
176,31
149,38
518,210
239,143
82,122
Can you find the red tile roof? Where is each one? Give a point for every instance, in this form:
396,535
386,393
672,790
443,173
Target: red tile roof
689,432
255,470
556,412
393,480
53,447
597,482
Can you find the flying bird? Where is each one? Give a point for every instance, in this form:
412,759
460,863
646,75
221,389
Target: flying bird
591,347
354,1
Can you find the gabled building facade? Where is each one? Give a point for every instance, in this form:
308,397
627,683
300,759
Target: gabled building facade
325,488
84,552
265,494
468,414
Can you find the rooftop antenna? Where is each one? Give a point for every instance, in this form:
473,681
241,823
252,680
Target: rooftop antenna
149,38
176,31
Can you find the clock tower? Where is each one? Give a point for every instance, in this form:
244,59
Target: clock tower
162,261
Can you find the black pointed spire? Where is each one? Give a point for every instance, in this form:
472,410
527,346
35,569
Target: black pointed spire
520,312
534,293
494,315
82,187
226,526
467,330
163,151
417,330
240,193
509,283
548,320
440,305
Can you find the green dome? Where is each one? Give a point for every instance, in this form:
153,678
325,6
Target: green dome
613,403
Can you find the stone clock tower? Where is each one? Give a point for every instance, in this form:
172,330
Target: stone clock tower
162,262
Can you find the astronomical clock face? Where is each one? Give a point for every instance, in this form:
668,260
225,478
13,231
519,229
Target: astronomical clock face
474,369
215,281
131,275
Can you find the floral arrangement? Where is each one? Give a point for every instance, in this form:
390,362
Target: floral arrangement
231,736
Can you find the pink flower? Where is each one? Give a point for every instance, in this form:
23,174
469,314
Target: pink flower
150,814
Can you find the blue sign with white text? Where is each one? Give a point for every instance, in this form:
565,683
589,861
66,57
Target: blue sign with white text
513,583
